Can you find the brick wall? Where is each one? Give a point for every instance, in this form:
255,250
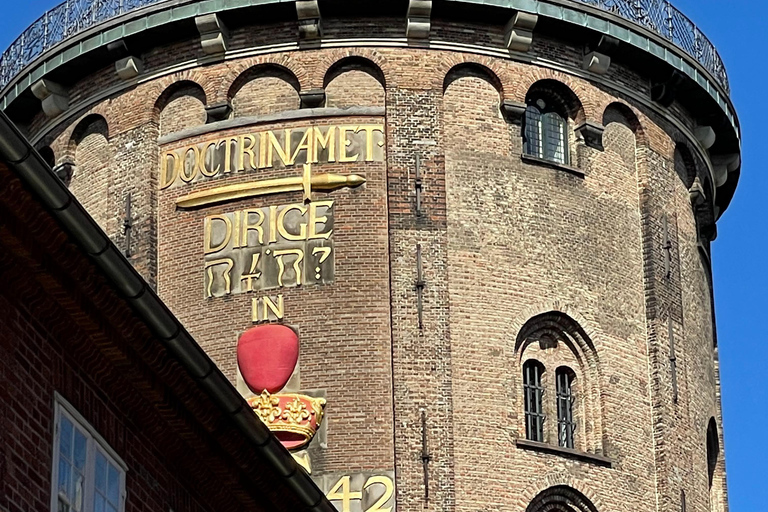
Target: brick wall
264,95
34,364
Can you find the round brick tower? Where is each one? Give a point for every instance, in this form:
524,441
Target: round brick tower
488,222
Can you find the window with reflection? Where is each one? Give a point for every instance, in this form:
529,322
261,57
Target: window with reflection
533,372
86,477
545,134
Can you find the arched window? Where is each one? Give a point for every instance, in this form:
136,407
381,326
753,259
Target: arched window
545,134
555,342
566,424
534,392
713,450
560,498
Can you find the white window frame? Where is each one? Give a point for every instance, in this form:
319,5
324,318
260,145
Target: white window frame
95,443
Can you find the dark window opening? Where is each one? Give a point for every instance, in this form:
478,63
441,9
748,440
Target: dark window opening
713,449
534,393
566,425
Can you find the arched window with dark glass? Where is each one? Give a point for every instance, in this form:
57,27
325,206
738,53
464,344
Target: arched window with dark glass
545,134
533,389
566,423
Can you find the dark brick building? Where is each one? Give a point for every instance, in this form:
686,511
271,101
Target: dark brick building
98,376
489,223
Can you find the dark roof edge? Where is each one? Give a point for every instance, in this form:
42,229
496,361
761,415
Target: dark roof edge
24,160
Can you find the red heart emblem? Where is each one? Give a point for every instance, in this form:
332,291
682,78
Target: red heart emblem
267,356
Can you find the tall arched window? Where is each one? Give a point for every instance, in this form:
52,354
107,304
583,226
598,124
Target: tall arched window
546,135
566,424
713,450
534,392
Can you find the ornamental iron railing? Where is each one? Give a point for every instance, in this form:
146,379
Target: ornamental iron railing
75,16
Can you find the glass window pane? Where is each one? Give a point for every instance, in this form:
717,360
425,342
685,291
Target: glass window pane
81,443
533,132
64,475
554,137
113,487
101,473
65,443
98,503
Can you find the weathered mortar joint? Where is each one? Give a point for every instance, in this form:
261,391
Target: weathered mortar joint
419,22
513,111
310,21
592,134
218,111
518,34
54,97
314,98
214,36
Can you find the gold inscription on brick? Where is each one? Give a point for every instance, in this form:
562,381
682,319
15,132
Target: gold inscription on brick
271,149
267,309
268,248
366,492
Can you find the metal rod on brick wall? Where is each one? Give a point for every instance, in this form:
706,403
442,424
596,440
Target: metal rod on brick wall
672,357
418,185
128,225
667,249
425,456
420,284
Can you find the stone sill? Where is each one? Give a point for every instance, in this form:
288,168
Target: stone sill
553,165
564,452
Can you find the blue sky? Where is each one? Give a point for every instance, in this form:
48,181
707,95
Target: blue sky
739,28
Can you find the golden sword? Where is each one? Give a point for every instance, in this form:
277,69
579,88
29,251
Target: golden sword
305,183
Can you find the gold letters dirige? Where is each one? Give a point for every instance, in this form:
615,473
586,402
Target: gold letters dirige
271,149
268,248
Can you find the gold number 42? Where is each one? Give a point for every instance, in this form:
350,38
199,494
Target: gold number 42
341,491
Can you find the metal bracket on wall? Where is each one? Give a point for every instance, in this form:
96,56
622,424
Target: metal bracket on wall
425,456
127,226
420,285
419,186
667,249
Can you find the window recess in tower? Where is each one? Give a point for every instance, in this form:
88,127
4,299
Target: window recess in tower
551,111
559,406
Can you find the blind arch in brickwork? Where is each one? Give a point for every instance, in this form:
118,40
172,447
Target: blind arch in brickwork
180,106
354,81
264,89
